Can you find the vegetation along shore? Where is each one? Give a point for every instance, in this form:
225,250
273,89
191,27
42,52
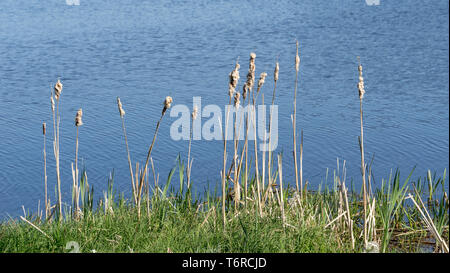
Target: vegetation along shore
252,209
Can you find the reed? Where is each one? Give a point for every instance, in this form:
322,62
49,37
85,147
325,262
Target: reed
189,162
258,186
75,187
294,121
122,114
361,92
47,201
167,103
56,122
269,162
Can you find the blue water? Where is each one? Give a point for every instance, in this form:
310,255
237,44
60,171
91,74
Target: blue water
143,51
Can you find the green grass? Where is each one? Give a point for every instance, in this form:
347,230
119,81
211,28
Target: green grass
181,221
169,226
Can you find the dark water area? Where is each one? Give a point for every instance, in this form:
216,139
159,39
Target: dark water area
143,51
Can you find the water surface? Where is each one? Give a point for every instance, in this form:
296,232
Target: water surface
143,51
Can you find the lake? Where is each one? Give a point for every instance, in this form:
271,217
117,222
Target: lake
143,51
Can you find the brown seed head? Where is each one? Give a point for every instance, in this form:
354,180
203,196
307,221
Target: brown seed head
275,74
44,126
360,85
234,78
262,78
167,103
194,112
297,60
53,103
78,120
250,75
119,105
58,89
237,97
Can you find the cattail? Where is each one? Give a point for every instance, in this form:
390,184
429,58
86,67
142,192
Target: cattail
119,105
58,89
78,121
262,79
234,78
361,83
297,60
167,103
237,97
53,103
250,76
275,74
194,112
44,126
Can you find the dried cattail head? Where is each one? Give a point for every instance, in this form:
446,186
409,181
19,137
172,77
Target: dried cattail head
297,60
78,120
58,89
250,75
234,78
119,105
167,103
194,112
44,126
262,78
237,97
53,103
361,83
275,74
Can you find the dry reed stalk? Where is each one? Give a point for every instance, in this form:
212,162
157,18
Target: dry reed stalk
56,119
189,163
237,188
44,129
280,170
167,103
361,92
349,217
294,120
122,114
247,88
78,123
258,186
269,163
429,221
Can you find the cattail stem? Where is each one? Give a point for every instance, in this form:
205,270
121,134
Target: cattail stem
188,168
224,165
58,176
363,171
294,122
45,174
133,186
269,162
76,177
361,92
141,182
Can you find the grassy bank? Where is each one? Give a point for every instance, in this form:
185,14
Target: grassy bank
254,210
180,221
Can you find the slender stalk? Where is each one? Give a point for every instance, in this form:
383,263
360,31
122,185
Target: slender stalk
361,145
133,186
141,182
45,174
58,176
294,120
